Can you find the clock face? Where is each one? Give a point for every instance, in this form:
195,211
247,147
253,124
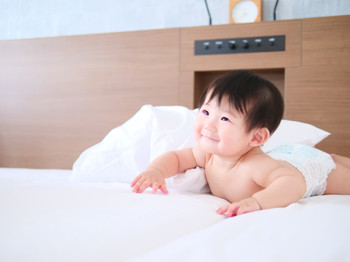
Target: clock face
245,12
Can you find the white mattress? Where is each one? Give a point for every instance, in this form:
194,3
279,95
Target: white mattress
314,229
46,217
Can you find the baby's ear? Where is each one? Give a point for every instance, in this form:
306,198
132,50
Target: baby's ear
260,136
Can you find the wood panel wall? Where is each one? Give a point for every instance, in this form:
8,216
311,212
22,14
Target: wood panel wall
59,96
62,95
318,92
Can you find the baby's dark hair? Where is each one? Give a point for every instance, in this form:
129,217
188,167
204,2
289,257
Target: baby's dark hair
257,98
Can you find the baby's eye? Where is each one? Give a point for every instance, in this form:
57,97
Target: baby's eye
225,119
205,112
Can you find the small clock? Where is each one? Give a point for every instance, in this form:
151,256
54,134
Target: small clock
245,11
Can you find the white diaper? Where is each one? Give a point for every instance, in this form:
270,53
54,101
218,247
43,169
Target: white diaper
314,164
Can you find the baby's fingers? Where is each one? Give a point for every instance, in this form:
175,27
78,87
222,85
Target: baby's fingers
133,183
229,210
163,188
155,187
232,210
141,185
222,210
144,186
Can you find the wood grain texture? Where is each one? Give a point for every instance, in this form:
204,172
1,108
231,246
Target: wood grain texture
318,92
61,95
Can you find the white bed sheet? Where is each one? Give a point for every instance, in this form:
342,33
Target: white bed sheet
46,217
313,229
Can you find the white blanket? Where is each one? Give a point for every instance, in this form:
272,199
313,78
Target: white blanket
47,217
314,229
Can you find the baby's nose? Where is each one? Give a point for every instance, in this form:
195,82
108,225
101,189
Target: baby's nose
210,126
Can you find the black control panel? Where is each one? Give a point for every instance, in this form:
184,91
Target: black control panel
240,45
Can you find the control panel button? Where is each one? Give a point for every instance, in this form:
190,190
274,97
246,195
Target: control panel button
258,42
218,44
240,45
245,43
272,41
232,44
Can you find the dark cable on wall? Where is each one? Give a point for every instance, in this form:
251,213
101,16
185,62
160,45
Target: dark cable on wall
206,4
274,10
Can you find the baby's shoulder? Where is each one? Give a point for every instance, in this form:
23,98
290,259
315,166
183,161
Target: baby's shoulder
259,159
262,164
265,169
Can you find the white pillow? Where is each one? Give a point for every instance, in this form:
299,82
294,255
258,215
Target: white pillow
127,150
294,132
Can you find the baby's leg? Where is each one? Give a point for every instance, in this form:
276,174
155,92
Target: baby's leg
345,161
338,181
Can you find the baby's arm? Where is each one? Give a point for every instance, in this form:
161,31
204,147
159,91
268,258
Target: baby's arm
280,190
166,165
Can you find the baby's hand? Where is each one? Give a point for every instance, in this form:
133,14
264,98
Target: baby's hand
150,178
237,208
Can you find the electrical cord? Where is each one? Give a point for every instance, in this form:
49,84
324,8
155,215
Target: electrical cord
206,4
274,10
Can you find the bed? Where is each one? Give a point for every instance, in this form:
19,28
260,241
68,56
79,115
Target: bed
81,116
45,217
89,213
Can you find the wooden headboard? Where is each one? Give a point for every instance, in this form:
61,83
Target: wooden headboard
61,95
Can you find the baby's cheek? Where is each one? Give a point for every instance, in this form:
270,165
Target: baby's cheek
197,131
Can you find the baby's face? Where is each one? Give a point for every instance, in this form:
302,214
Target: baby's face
220,129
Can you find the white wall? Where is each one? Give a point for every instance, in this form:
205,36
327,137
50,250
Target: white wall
43,18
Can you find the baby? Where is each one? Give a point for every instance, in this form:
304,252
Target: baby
238,113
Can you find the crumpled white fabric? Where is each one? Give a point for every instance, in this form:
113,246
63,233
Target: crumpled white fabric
193,180
128,149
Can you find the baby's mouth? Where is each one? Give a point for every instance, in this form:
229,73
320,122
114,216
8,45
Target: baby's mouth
210,136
